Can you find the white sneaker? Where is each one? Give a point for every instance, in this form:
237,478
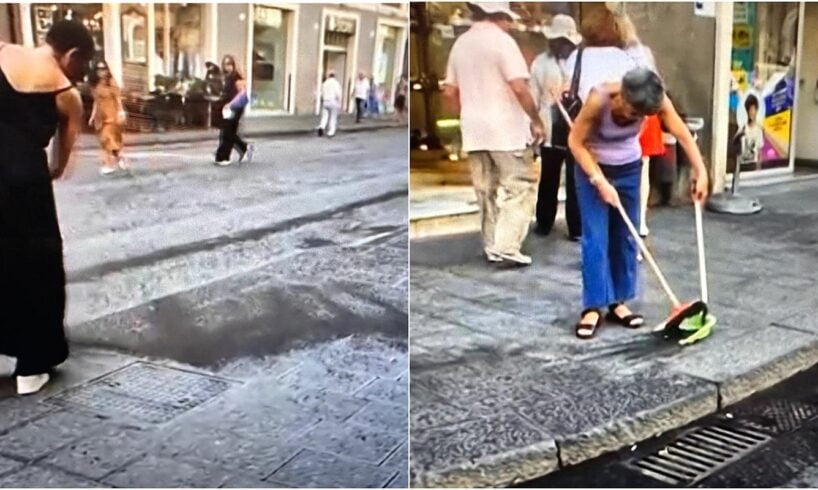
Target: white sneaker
106,170
247,156
123,164
493,257
222,163
515,257
28,385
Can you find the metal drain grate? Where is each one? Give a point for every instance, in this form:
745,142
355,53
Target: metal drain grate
699,453
779,416
143,391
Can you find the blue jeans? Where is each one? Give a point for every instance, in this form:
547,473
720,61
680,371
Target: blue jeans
609,263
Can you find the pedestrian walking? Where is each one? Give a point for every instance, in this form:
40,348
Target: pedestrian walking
331,95
235,99
373,103
487,84
107,117
401,92
361,96
548,77
605,142
37,101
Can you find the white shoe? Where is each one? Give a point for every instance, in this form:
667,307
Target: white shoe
28,385
222,163
493,257
247,156
123,164
106,170
515,257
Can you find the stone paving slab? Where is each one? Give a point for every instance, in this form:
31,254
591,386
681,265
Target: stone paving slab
495,344
289,420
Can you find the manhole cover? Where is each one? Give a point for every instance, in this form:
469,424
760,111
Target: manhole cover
779,416
696,454
143,391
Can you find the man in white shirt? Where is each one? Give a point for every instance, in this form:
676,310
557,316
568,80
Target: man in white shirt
548,77
331,94
487,83
361,94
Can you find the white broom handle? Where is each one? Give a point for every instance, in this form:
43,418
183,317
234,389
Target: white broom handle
700,244
648,256
645,252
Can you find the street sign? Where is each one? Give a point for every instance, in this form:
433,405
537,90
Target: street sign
704,9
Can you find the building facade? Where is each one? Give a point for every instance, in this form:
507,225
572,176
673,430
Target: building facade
717,59
283,49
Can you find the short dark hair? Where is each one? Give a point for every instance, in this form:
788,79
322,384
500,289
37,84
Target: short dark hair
66,35
750,101
644,90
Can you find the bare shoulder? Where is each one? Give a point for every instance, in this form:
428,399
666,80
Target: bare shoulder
28,71
69,103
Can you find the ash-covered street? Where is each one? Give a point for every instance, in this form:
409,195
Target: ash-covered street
239,326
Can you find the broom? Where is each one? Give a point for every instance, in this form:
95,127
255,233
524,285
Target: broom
679,312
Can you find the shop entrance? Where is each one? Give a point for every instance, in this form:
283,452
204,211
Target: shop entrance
336,62
338,54
806,112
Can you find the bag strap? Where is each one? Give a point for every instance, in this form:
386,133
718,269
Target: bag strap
577,72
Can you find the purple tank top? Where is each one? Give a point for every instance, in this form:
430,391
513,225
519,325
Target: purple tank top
611,143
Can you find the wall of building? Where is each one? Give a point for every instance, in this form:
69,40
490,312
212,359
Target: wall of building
685,55
806,113
309,58
232,36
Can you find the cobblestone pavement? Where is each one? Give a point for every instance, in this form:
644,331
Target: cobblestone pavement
238,327
333,415
502,391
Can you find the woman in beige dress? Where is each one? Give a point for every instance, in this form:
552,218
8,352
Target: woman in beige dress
107,118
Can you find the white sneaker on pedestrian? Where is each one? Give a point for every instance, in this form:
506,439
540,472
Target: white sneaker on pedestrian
106,170
493,257
28,385
222,163
247,156
123,164
515,257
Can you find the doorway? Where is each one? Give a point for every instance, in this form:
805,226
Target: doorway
336,62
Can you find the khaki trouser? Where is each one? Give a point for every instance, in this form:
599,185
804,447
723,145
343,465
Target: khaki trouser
505,183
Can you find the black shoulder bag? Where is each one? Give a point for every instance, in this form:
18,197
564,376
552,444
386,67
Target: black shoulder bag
572,103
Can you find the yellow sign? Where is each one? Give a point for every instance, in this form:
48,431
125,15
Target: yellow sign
777,128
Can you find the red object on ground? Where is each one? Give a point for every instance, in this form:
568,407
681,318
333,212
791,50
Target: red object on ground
651,137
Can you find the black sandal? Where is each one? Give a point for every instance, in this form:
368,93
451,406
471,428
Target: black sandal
631,321
592,328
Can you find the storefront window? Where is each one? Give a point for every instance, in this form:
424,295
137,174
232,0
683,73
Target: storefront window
45,14
763,91
269,69
385,75
134,34
178,39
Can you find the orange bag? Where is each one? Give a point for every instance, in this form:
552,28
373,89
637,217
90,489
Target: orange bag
651,137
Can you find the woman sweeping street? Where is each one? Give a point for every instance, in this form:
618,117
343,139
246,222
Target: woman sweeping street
605,143
37,100
234,99
107,118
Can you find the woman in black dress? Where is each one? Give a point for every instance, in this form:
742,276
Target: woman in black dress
37,100
234,90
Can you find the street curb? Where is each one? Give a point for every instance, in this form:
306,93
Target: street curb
530,462
181,137
497,470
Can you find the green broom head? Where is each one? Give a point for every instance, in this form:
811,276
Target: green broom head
697,327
